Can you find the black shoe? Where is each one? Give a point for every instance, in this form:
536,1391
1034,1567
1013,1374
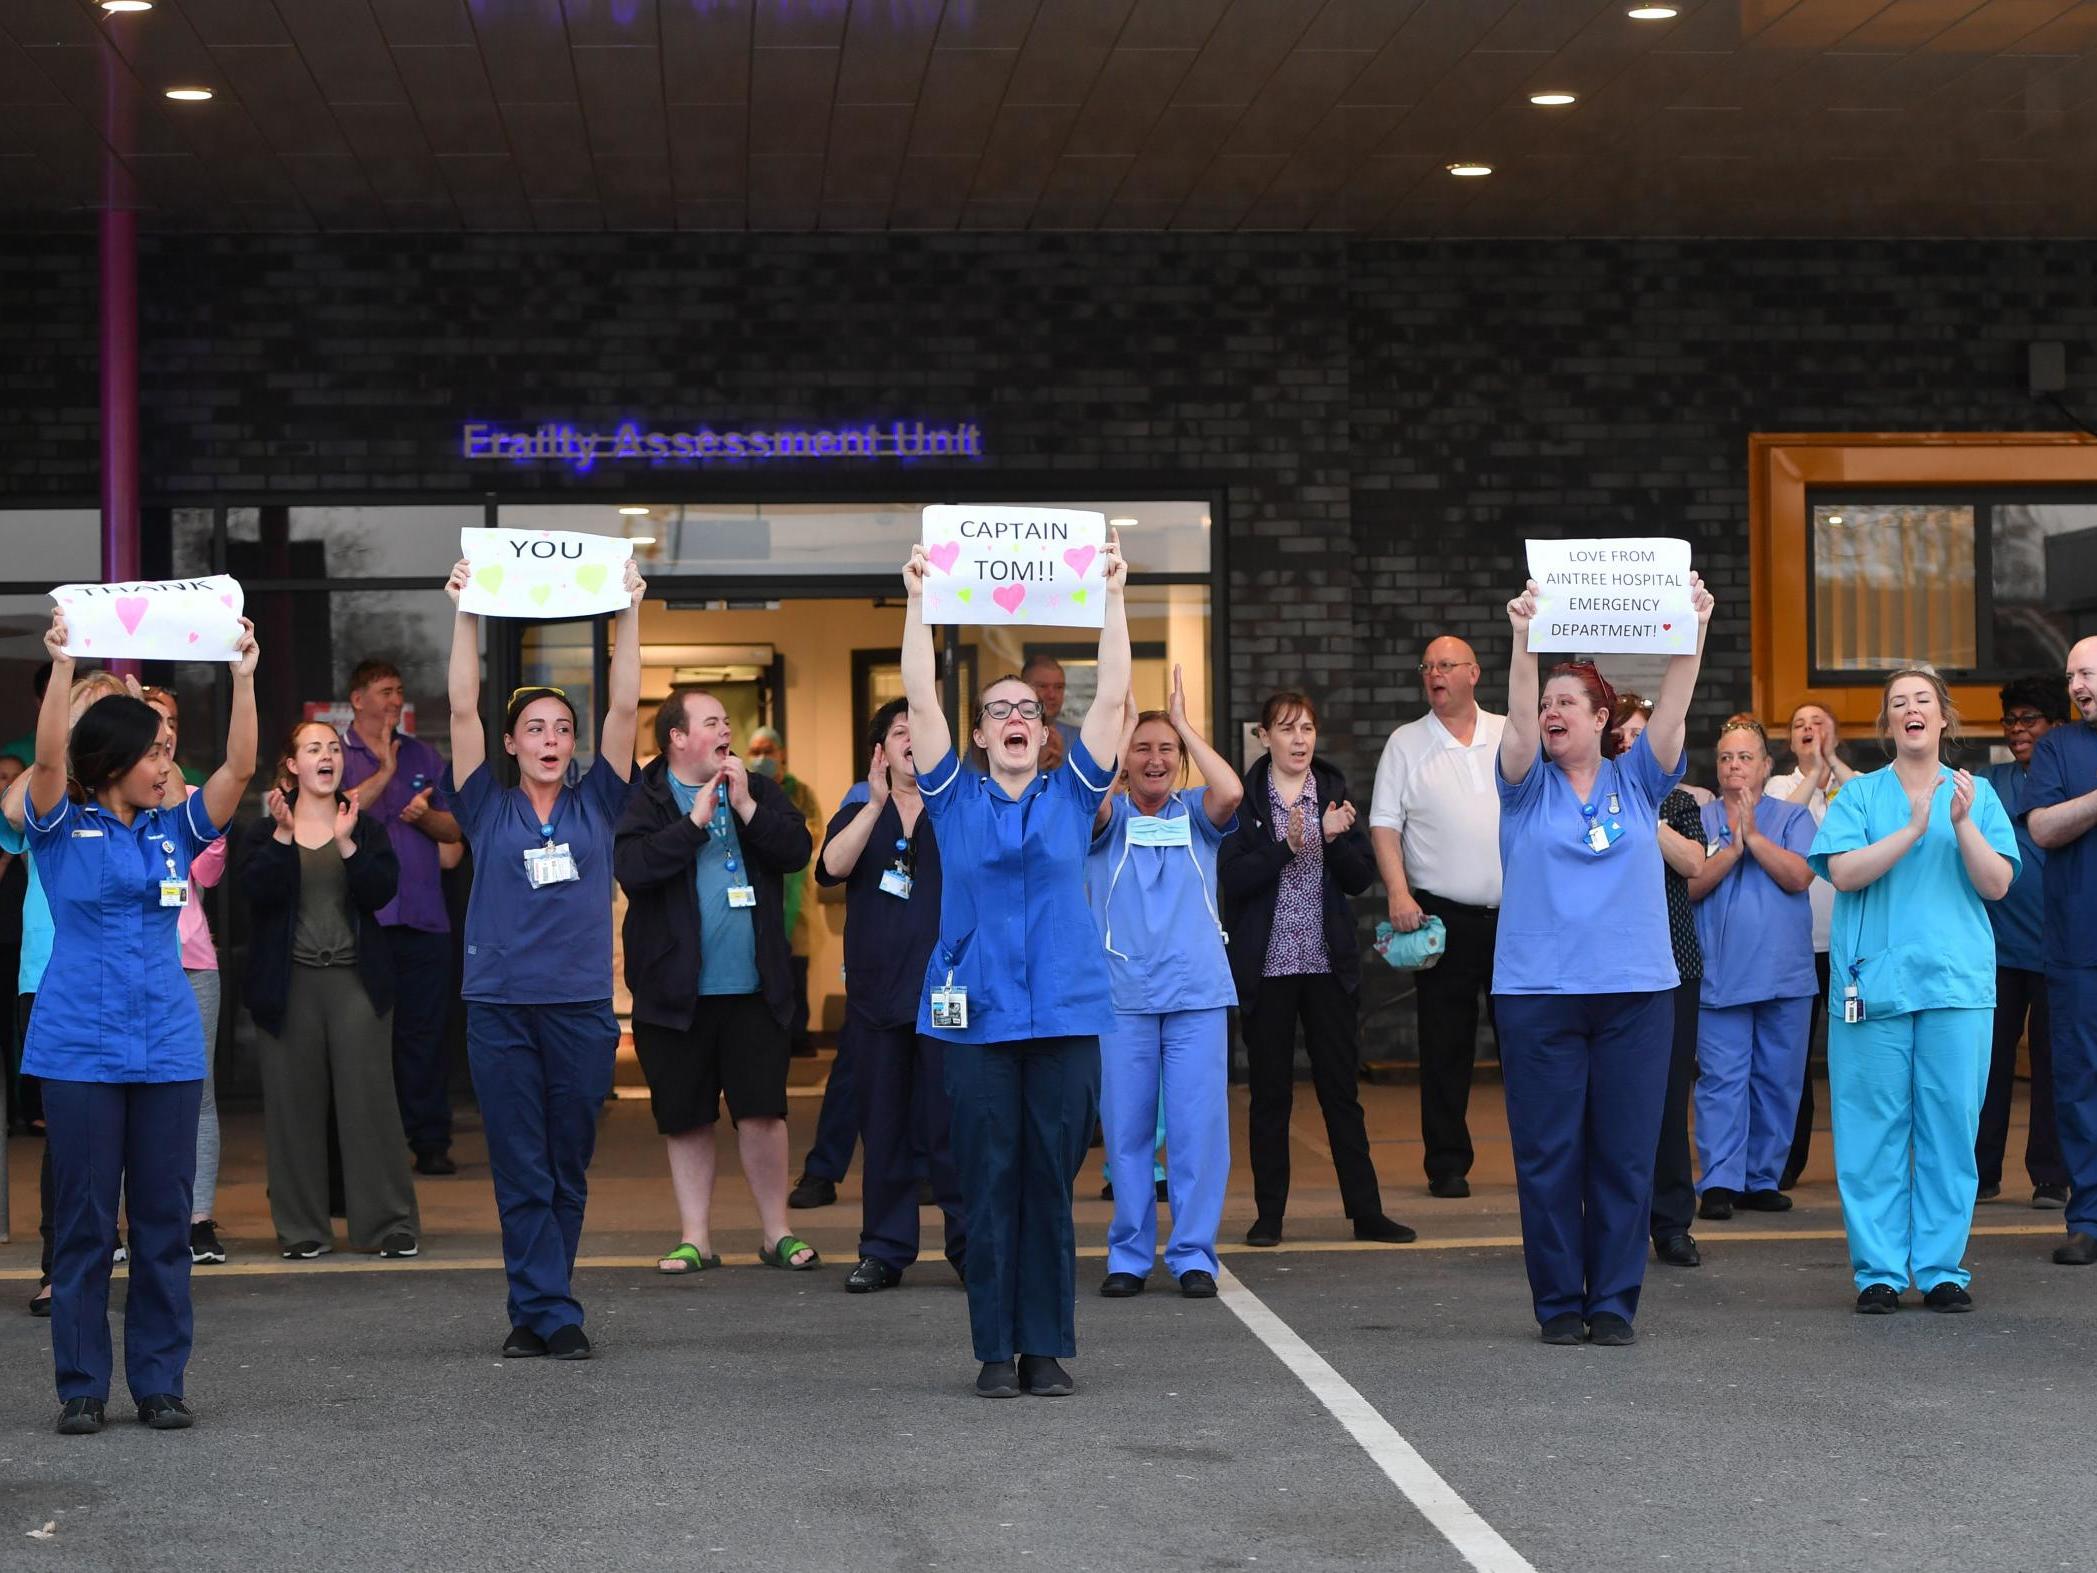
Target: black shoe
204,1246
1265,1231
1163,1195
1121,1286
1763,1202
2050,1198
1106,1192
1044,1378
1716,1203
1386,1231
1678,1250
1788,1183
1986,1193
80,1417
434,1160
812,1192
305,1251
1197,1285
1450,1187
872,1273
1878,1300
1564,1329
568,1343
40,1305
1607,1330
523,1344
1948,1296
398,1245
165,1412
999,1379
2080,1251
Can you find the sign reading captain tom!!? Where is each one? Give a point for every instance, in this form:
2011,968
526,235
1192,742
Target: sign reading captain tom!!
1612,597
989,564
545,573
154,620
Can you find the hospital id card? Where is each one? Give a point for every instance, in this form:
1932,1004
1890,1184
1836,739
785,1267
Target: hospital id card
950,1008
174,892
894,882
552,864
742,895
1147,831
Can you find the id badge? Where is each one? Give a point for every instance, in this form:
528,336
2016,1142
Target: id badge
1599,838
742,895
1146,831
1852,1005
549,865
894,882
174,892
950,1008
1713,847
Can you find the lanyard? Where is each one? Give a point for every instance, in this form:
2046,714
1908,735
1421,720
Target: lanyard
548,829
1199,878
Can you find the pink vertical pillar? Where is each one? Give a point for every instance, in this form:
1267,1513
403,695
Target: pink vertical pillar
119,323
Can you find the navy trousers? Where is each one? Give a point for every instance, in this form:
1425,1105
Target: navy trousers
1674,1191
1022,1119
541,1073
138,1138
838,1121
903,1113
2071,1000
2020,997
421,1069
1586,1077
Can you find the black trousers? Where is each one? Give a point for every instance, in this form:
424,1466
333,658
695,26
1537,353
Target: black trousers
1328,1014
2020,995
1802,1132
1674,1190
1445,998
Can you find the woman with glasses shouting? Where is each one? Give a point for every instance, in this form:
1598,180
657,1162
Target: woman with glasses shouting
1015,987
540,1034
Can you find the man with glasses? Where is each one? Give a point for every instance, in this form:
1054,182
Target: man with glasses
2060,803
1435,825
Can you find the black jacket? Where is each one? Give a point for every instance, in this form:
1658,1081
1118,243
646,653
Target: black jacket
652,858
269,873
1249,866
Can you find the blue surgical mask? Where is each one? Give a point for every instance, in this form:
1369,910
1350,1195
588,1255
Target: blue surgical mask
766,765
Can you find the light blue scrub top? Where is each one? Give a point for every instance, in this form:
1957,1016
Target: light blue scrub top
727,935
36,912
1918,936
1757,937
1014,929
1574,920
1157,912
2020,916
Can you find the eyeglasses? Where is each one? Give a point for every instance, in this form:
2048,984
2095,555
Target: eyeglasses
537,688
1443,668
1003,709
2022,721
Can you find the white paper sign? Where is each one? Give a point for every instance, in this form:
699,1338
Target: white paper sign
1627,596
545,573
997,565
153,620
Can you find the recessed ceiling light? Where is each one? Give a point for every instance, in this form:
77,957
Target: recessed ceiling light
1470,171
1123,524
118,7
1653,13
633,510
1550,100
1834,518
189,95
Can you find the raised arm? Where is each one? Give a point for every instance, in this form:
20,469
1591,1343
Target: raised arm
1129,712
623,696
229,783
1667,728
930,737
1103,718
47,773
1518,742
843,846
1226,788
469,737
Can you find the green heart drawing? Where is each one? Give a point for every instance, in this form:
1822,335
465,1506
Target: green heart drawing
965,595
1079,596
490,578
591,577
539,593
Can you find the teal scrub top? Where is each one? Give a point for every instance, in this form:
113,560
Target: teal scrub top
727,935
1757,937
1918,936
1156,907
36,913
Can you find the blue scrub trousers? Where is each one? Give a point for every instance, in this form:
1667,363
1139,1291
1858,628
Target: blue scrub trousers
541,1073
107,1139
1586,1076
1170,1070
1904,1096
1751,1062
902,1113
1106,1164
1022,1120
422,995
838,1122
2071,1001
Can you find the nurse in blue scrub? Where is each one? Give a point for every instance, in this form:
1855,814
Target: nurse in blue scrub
540,1034
1152,883
115,1036
1755,929
1914,852
1016,989
1584,976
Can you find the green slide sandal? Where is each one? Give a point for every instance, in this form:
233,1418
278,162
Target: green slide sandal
684,1261
781,1253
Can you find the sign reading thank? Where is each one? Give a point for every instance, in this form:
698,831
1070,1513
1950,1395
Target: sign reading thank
545,573
154,620
1627,597
1000,565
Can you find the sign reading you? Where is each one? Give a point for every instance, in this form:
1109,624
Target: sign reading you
1627,597
154,620
545,573
583,448
998,565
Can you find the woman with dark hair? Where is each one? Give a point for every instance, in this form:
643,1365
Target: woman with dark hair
540,1034
1286,875
116,1038
320,987
1915,852
1584,975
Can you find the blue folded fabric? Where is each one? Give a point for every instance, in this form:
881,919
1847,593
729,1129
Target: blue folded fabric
1420,949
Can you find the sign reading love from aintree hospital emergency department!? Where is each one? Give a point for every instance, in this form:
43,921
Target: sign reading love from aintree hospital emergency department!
545,573
998,565
153,620
1623,597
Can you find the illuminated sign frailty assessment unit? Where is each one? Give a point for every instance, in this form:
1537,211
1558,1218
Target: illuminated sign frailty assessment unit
632,442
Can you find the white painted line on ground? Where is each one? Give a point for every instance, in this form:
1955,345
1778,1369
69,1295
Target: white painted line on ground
1474,1539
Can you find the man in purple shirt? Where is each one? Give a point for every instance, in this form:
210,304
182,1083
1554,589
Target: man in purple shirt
398,779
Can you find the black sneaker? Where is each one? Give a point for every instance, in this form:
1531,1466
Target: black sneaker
1450,1187
811,1191
1385,1231
523,1344
80,1417
1565,1329
1987,1192
568,1343
2049,1198
1265,1231
204,1247
165,1412
1607,1330
1121,1286
434,1160
1878,1300
1044,1378
871,1274
998,1379
1763,1202
1948,1296
399,1244
1716,1203
1197,1285
305,1251
1678,1250
2079,1250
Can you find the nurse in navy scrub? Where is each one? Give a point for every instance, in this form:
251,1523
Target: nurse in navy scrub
540,1034
1016,987
1584,974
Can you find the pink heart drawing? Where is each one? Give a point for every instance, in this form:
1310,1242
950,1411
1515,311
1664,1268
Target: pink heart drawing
227,598
131,611
942,557
192,636
1080,557
1009,596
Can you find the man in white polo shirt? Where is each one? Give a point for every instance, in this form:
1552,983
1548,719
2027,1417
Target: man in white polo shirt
1435,824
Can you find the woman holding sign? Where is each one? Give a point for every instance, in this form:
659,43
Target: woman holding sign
116,1036
1584,975
540,1034
1015,989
